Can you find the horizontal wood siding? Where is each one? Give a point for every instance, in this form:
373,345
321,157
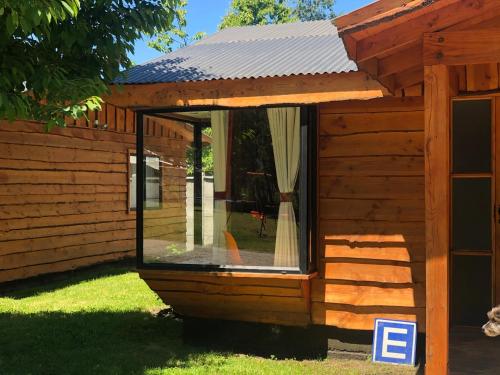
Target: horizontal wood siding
371,216
64,194
256,298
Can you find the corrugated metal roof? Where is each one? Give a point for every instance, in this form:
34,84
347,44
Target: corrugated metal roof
250,52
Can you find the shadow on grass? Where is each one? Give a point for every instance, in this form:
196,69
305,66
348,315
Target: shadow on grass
52,282
94,343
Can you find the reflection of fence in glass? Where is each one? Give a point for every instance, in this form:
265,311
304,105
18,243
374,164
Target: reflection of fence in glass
153,182
207,212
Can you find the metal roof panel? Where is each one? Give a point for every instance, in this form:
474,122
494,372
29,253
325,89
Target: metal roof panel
250,52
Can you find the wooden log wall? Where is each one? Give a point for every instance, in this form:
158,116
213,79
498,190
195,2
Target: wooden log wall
263,298
64,194
371,217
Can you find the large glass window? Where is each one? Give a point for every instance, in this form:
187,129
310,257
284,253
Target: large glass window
233,191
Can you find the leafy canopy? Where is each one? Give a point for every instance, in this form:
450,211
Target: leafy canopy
57,56
177,35
264,12
313,10
257,12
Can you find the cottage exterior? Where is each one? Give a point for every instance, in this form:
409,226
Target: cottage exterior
352,171
399,186
291,288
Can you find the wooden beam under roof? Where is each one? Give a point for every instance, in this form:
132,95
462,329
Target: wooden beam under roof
462,47
184,117
487,20
405,33
305,89
406,59
408,78
402,54
375,11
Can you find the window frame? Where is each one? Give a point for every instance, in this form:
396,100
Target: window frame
307,195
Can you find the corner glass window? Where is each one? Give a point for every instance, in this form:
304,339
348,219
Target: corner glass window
234,192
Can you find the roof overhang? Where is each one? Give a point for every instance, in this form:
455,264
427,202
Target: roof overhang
300,89
386,38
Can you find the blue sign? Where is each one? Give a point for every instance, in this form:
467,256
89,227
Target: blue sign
394,341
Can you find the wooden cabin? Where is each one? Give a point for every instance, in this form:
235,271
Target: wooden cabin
306,175
379,156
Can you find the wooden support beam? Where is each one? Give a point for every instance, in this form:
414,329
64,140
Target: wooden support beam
437,215
305,89
444,14
350,46
367,12
408,78
370,67
462,47
406,59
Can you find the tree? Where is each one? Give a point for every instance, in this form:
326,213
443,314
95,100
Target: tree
263,12
177,35
313,10
257,12
58,56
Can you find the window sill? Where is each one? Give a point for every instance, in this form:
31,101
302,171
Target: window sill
148,273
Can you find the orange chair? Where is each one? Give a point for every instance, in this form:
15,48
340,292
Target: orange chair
232,247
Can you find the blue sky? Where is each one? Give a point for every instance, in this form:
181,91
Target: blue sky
205,15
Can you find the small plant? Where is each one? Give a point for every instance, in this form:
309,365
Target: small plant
173,249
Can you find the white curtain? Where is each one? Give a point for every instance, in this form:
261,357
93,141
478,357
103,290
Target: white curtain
219,122
285,132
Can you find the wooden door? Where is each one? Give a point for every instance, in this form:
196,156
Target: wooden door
473,210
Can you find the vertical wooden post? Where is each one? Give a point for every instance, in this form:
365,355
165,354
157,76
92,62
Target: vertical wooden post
437,216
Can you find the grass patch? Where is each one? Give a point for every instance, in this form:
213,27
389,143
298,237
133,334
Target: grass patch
99,321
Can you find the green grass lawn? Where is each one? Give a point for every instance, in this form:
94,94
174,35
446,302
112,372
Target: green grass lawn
100,321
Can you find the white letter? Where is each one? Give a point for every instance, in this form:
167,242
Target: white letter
386,342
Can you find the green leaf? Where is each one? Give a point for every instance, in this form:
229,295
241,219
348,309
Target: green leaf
25,25
69,9
12,22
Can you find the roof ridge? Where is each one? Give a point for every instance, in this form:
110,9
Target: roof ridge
273,25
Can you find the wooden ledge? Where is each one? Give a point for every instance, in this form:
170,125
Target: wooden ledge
157,273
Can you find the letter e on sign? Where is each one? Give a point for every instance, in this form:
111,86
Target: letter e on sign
394,341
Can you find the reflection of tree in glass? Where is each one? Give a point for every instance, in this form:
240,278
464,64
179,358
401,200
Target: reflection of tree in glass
207,157
252,160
